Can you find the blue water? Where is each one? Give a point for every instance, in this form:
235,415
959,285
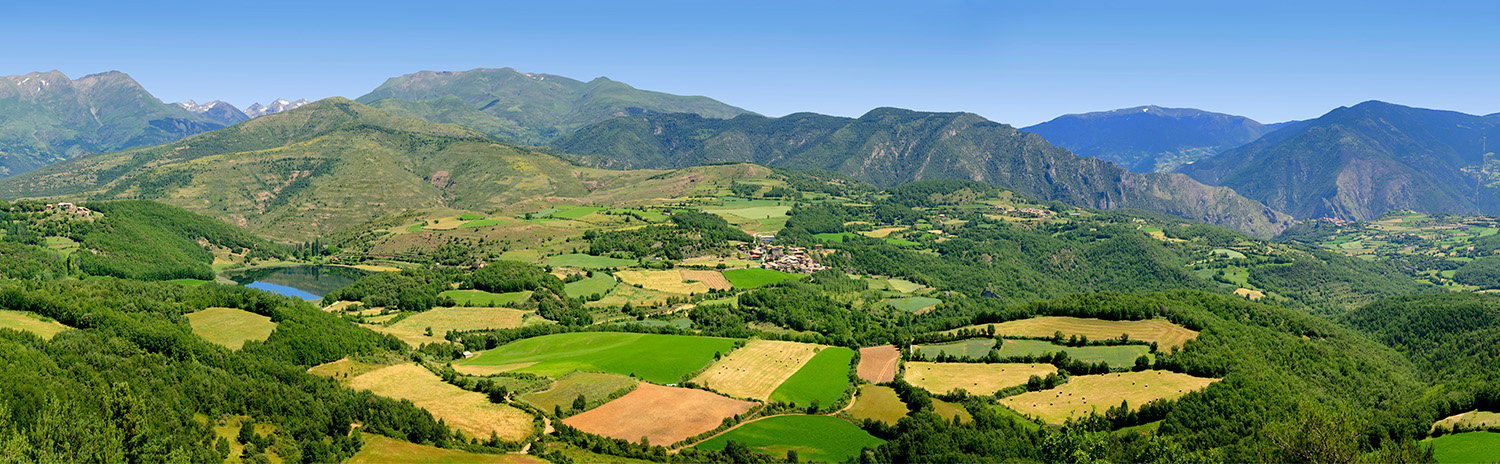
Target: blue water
285,290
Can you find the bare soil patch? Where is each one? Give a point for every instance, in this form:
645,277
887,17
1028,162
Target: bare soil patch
877,364
664,415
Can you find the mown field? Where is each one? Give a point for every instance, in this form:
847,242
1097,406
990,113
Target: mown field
1472,447
670,281
344,369
757,369
1471,419
468,411
1161,331
814,438
745,279
976,378
594,387
1085,393
823,379
29,322
1116,356
381,450
913,304
230,327
652,357
878,403
971,348
413,328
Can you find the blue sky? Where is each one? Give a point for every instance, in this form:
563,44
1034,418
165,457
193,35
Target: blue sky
1013,62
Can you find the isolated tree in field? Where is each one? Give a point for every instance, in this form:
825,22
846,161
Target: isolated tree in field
247,432
579,403
557,410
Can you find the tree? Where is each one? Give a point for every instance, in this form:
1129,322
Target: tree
791,456
580,402
247,432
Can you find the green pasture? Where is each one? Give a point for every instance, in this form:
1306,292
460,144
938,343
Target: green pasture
652,357
600,283
912,304
1115,356
971,348
745,279
814,438
575,213
483,298
1471,447
822,379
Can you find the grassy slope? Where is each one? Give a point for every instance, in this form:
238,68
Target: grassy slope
656,358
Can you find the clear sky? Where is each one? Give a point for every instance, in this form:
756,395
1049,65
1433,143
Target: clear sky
1013,62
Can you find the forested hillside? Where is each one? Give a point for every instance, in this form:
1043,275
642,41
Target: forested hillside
1149,138
1359,162
889,147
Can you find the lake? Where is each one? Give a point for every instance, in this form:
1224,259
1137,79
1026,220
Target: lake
305,282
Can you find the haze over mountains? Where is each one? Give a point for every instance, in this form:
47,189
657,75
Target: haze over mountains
1150,138
1358,162
890,146
528,108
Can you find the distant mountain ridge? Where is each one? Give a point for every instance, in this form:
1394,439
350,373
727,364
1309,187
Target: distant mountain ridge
1150,138
1358,162
227,114
528,108
46,117
890,146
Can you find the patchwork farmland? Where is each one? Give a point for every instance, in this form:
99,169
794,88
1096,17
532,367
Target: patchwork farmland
468,411
1161,331
757,369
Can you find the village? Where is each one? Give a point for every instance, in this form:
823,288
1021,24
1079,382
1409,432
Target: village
791,259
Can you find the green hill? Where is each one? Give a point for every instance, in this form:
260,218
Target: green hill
47,117
524,107
302,174
889,146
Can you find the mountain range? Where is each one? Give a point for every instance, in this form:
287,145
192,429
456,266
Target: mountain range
225,113
527,108
1150,138
47,117
890,146
302,174
1358,162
